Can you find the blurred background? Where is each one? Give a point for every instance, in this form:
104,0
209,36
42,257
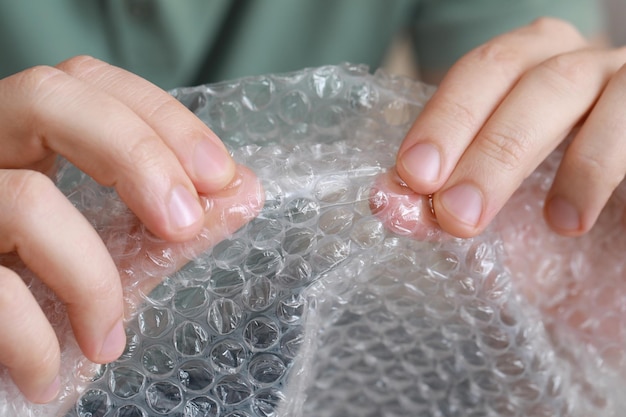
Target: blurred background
616,18
401,58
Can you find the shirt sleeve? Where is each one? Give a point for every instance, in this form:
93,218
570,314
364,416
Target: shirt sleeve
444,30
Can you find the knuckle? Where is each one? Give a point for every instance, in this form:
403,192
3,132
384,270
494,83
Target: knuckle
507,146
554,25
593,166
164,109
566,71
496,55
33,77
80,64
23,197
495,52
34,85
39,82
456,113
143,152
26,189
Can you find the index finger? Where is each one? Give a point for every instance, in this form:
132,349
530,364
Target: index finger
201,153
45,110
469,94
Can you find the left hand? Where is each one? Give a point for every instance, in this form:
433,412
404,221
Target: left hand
123,132
502,109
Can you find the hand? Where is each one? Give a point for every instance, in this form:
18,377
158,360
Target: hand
126,133
502,109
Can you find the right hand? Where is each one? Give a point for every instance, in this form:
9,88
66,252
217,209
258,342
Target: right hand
502,109
126,133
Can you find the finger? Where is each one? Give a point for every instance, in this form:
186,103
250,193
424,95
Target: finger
58,244
401,210
519,135
469,94
202,154
226,212
28,346
593,165
44,110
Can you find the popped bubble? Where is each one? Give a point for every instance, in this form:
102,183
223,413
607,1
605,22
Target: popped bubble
342,297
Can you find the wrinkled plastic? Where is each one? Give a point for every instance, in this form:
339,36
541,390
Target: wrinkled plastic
342,297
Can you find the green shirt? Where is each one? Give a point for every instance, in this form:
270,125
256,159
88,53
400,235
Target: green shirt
184,42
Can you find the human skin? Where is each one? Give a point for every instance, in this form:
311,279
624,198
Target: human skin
490,123
126,133
493,120
577,284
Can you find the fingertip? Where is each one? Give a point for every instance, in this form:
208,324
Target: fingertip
113,345
460,209
401,210
185,214
214,168
420,167
563,217
242,198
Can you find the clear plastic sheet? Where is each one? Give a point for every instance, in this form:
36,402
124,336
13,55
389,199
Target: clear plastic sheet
342,297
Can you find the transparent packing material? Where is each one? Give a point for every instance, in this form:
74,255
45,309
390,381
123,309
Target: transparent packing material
342,297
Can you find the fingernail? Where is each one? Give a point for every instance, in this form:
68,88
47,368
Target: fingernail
562,214
114,343
423,162
51,392
210,161
464,202
184,209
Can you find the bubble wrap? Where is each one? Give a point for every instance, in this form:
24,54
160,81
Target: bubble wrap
342,298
